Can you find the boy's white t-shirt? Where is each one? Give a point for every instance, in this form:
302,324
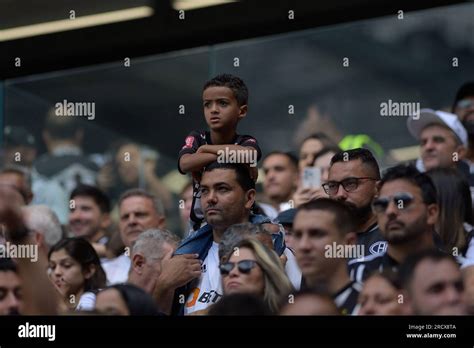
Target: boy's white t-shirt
209,288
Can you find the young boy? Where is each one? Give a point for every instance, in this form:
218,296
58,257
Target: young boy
225,99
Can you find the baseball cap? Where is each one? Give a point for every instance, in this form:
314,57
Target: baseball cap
416,123
286,217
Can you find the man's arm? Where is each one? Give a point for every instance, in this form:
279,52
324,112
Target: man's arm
177,271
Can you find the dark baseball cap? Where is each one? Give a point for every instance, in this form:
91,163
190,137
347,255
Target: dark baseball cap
18,136
286,217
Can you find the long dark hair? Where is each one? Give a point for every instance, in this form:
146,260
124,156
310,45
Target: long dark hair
83,252
137,300
455,206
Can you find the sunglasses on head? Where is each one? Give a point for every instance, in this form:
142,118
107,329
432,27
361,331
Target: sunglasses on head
244,266
465,103
401,200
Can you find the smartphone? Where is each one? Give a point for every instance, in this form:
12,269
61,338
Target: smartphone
311,177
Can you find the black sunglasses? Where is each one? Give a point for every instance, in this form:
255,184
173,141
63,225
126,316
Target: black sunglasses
349,185
401,200
244,266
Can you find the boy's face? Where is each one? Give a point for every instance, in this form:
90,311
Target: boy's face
221,110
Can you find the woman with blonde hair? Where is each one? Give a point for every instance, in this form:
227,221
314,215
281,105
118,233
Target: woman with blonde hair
253,268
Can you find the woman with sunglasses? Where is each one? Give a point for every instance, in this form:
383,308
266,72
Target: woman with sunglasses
253,268
76,273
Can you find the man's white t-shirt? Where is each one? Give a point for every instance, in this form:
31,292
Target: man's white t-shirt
117,269
209,288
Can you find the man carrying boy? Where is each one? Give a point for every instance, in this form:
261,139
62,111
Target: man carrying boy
225,99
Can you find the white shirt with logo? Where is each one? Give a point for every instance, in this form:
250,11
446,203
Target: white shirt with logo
209,288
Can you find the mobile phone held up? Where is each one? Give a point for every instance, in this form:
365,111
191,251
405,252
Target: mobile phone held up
311,177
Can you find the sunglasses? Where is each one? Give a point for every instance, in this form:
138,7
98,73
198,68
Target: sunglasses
401,200
244,266
465,104
349,185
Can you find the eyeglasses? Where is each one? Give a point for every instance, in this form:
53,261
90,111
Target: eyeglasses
401,200
465,103
244,266
349,185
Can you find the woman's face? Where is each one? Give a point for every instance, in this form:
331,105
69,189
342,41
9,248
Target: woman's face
110,302
323,162
379,297
66,274
308,152
239,282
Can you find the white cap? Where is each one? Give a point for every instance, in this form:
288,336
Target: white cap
416,123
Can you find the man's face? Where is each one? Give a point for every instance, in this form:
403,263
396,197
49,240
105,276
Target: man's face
10,293
128,162
85,218
360,199
439,148
465,109
152,268
17,182
223,200
11,195
281,178
404,222
221,110
437,289
137,214
313,230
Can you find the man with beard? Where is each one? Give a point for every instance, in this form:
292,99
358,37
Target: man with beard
358,173
406,211
10,288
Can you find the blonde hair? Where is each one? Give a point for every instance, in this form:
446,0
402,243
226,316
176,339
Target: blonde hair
276,282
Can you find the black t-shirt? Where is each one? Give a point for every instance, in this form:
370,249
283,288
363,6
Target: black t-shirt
345,299
359,270
196,139
192,143
372,240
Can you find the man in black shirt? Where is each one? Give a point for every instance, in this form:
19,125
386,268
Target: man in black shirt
323,239
407,212
353,178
